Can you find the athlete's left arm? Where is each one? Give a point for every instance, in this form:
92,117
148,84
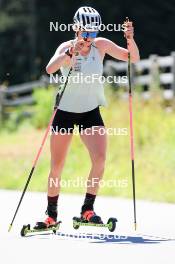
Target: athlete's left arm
117,52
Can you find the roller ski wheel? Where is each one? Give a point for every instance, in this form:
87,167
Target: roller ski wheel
25,229
111,224
76,222
48,225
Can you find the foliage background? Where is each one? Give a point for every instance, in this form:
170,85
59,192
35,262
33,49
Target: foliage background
24,30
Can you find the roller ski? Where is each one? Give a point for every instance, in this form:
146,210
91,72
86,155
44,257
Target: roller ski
40,227
89,218
50,224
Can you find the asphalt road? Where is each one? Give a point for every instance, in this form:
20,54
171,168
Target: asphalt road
153,242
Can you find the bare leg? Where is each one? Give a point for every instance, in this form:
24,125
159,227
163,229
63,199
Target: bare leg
96,145
59,145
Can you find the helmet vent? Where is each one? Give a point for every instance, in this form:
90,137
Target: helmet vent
93,19
88,20
78,16
84,20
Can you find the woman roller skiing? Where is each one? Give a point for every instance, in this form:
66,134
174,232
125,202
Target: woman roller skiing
80,103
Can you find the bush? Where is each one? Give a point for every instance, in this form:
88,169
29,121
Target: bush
44,106
15,118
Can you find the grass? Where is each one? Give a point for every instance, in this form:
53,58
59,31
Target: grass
154,130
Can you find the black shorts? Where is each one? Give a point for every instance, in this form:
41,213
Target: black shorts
65,121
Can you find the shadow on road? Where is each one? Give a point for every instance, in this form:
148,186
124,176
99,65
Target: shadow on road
128,239
105,238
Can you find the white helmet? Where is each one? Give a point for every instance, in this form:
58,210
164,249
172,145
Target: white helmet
86,18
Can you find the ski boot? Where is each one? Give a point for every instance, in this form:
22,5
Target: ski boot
50,224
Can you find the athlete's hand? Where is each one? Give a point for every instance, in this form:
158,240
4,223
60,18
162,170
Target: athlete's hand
129,30
77,47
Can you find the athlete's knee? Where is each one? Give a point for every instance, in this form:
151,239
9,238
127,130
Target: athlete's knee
99,159
56,167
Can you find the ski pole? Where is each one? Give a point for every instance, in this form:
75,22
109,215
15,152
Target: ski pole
33,168
39,151
132,141
131,136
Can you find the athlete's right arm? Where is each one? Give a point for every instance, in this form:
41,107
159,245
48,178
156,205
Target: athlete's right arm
59,59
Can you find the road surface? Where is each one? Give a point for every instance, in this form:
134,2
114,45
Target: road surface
153,242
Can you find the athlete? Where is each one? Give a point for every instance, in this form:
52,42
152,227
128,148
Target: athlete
80,104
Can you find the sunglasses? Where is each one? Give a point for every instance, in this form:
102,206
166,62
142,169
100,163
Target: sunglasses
89,34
